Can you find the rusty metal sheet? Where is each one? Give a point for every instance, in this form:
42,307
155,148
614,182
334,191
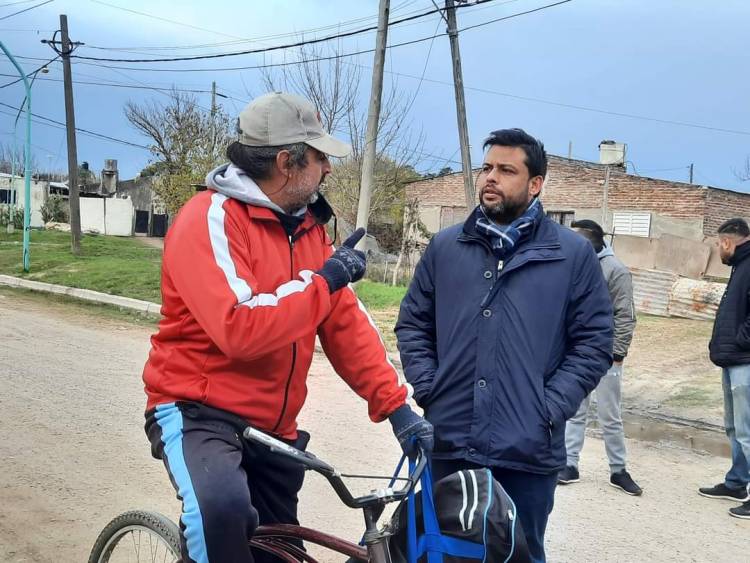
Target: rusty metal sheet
693,299
651,290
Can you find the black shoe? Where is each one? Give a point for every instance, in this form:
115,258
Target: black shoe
742,511
722,491
568,475
623,480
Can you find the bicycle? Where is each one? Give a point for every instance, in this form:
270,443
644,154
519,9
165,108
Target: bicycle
136,534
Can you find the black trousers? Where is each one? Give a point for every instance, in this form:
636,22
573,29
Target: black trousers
228,486
532,493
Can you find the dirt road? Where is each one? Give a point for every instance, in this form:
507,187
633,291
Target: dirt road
73,454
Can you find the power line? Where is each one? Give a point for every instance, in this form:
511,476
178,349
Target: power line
516,15
238,40
25,10
32,73
16,3
116,85
80,129
278,47
273,65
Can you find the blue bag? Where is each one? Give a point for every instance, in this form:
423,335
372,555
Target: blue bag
467,517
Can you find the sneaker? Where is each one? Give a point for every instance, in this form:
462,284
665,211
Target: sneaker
722,491
742,511
568,475
623,480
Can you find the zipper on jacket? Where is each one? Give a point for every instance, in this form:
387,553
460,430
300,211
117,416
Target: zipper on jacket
294,344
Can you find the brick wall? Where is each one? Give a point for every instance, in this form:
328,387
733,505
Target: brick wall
576,184
669,199
573,185
722,205
444,191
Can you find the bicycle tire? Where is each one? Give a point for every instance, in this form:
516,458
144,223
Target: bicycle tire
153,523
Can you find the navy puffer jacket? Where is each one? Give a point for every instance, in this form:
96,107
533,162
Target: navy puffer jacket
501,358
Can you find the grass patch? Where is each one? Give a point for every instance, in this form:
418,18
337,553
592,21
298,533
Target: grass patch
695,396
116,265
379,296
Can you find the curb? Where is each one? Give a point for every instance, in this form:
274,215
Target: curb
147,307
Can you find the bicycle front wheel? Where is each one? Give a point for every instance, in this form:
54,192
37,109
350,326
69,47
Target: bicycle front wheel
137,536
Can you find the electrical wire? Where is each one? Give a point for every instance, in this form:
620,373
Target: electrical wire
79,129
274,65
30,74
117,85
280,47
238,40
25,10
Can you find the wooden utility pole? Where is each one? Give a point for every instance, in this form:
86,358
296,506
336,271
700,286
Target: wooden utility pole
70,123
691,172
458,84
373,118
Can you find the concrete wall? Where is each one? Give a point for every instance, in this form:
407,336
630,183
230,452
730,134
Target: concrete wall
38,196
139,191
678,255
107,216
685,257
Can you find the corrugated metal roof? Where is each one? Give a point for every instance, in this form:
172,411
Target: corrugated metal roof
693,299
651,290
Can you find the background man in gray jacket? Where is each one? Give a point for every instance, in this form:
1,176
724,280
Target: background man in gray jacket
608,392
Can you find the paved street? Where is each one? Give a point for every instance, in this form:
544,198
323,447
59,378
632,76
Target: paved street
73,455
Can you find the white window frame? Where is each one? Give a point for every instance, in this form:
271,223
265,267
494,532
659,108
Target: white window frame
635,224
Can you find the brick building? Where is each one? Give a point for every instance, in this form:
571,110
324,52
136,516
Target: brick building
642,213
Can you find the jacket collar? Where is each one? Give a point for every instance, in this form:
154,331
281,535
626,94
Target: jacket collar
741,253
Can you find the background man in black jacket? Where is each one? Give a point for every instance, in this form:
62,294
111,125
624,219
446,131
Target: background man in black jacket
730,350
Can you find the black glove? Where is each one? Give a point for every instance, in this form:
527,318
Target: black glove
410,429
346,265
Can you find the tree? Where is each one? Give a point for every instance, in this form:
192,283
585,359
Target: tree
12,160
186,142
333,85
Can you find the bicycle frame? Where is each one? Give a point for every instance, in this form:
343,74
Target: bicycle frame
271,538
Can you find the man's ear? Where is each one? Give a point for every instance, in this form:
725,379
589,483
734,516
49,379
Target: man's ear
535,185
282,162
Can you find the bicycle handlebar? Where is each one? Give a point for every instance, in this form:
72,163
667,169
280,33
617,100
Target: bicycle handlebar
310,461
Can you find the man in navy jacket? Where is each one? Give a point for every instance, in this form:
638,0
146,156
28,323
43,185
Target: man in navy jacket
506,327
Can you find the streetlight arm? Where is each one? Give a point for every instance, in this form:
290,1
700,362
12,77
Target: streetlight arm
27,160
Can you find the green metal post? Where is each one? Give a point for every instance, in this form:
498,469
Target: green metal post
27,163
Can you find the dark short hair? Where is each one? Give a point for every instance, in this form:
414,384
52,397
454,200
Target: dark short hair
737,227
257,161
536,158
592,231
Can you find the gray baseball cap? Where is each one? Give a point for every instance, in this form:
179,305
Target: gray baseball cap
279,118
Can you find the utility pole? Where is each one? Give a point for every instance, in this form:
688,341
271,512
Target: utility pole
691,172
70,123
458,84
213,99
373,118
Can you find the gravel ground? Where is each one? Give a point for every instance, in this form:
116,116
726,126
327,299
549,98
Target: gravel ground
73,455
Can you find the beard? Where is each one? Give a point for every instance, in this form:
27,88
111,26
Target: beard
505,211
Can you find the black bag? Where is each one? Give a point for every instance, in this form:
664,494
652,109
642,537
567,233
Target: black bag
469,518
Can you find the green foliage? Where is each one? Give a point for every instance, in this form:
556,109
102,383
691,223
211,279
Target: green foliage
378,296
10,213
56,209
117,265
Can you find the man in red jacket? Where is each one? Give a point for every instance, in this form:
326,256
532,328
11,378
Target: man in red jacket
249,279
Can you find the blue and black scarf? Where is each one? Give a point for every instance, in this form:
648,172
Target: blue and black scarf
505,239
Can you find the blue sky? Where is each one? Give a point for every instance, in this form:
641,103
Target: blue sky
665,60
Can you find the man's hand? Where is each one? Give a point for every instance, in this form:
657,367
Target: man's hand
346,265
411,429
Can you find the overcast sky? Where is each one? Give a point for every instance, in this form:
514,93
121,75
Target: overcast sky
676,72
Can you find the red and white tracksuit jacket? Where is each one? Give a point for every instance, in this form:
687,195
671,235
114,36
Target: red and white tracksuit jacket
242,306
